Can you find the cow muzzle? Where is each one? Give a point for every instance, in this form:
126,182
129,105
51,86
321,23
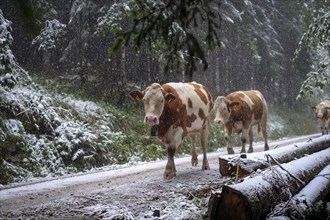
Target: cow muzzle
217,122
151,120
319,116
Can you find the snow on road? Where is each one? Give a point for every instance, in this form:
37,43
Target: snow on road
116,173
139,190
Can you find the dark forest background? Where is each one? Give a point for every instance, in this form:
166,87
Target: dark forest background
258,42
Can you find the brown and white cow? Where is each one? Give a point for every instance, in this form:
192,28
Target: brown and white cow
238,112
322,113
176,110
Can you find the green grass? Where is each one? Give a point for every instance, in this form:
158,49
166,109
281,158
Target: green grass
295,122
283,122
89,143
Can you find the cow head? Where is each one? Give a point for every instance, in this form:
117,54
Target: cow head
321,111
154,98
223,107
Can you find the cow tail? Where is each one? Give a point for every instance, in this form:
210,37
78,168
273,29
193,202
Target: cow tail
259,128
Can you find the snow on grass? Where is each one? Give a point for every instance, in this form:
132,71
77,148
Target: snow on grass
108,212
174,209
13,126
45,134
275,123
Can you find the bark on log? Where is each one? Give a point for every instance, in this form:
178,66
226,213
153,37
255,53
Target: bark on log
314,191
254,197
255,161
228,166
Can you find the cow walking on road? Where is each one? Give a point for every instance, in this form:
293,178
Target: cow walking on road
322,113
238,112
175,110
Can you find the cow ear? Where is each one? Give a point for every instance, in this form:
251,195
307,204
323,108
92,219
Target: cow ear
313,107
169,97
136,95
233,105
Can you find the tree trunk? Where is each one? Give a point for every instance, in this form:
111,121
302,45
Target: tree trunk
254,197
255,161
313,192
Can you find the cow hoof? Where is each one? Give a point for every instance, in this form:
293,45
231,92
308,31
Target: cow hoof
250,150
230,151
206,167
169,175
194,161
266,147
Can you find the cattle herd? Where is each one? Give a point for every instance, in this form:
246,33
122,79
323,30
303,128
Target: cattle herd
177,110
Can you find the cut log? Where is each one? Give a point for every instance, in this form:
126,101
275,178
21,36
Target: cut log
213,204
314,191
238,166
255,161
254,197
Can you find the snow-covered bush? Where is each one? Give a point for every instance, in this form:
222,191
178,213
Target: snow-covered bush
317,40
43,134
6,55
37,139
46,40
319,80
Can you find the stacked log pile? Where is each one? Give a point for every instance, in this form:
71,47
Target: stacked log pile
276,183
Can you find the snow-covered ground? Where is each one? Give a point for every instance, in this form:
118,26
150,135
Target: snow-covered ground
132,192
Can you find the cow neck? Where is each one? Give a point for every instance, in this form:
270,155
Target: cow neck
232,121
154,130
164,122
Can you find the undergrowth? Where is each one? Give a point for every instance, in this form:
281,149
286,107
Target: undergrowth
50,130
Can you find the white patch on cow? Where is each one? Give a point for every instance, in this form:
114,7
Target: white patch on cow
322,112
185,93
260,96
196,125
222,112
247,100
238,126
174,136
253,120
153,103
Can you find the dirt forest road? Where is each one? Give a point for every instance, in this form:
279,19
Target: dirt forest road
133,192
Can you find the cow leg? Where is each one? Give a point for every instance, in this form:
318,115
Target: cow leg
322,125
194,159
326,127
204,138
243,139
265,135
170,170
227,138
250,140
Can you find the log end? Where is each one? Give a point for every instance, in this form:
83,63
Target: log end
228,167
233,205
